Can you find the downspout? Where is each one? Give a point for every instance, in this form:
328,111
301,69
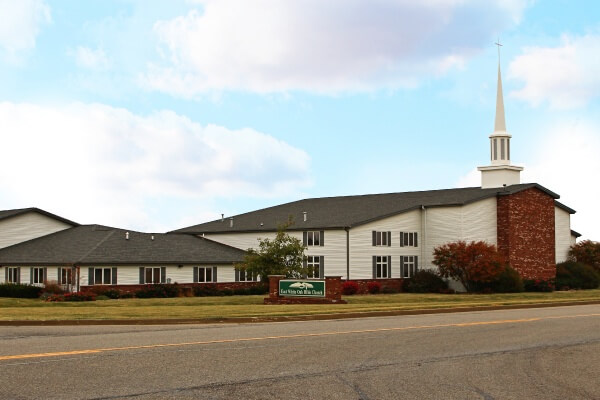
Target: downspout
423,233
347,253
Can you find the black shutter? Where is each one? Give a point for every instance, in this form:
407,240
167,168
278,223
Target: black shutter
237,275
45,275
305,266
322,237
401,266
90,276
214,274
18,274
389,234
374,238
142,275
114,276
416,241
31,275
163,274
389,271
304,238
401,239
59,277
374,266
195,275
321,267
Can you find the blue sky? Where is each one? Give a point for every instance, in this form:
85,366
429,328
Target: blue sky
156,115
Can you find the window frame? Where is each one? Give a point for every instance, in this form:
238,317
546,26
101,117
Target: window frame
313,265
409,239
313,238
409,265
381,238
13,275
38,275
246,275
105,275
208,274
68,274
382,266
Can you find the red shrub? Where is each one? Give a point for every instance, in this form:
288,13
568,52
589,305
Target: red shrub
374,287
349,288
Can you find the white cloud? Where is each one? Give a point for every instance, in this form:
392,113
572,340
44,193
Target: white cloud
90,59
96,163
20,23
565,162
565,76
334,46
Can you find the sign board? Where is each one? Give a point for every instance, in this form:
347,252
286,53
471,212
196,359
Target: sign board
301,288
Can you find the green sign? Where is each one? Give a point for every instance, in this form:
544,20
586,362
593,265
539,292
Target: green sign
302,288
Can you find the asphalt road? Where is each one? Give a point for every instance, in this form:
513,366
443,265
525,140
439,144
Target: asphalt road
549,353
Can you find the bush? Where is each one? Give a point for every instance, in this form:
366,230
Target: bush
390,289
111,293
251,290
474,264
76,296
538,285
586,252
21,291
374,287
206,290
573,275
508,281
426,281
158,291
52,287
349,288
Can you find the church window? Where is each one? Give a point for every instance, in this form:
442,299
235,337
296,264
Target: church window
495,146
382,267
409,239
502,149
313,238
382,238
408,266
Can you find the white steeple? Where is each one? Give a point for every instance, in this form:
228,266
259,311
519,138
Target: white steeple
500,172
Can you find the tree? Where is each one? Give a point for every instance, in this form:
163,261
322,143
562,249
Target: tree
283,255
586,252
473,264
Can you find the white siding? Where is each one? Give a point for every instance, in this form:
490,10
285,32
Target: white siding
362,249
333,251
474,221
562,233
130,275
28,226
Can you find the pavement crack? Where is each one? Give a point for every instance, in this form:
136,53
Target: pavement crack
356,388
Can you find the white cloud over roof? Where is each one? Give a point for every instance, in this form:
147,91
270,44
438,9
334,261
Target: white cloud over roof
325,47
92,161
565,76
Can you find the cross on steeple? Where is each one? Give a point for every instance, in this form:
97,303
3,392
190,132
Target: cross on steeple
499,45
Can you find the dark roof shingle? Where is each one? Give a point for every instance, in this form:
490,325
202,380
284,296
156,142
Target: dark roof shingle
348,211
101,245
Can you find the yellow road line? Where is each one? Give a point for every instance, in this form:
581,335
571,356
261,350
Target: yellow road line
300,335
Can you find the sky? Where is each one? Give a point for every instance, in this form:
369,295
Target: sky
153,115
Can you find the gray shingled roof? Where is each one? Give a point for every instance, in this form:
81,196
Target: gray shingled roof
348,211
13,213
101,245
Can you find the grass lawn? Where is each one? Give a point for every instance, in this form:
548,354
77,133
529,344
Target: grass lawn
251,306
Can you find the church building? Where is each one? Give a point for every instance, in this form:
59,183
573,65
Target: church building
390,236
385,237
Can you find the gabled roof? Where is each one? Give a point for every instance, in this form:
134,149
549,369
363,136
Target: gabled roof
349,211
102,245
574,233
563,207
4,214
